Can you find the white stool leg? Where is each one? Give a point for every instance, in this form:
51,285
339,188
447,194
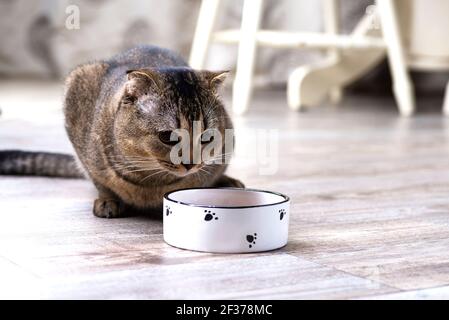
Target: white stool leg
446,101
331,26
203,33
402,86
242,88
294,93
310,84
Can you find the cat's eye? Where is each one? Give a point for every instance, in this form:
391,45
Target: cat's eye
166,137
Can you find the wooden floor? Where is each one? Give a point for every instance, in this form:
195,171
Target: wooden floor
370,212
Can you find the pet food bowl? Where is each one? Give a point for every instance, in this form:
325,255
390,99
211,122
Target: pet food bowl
226,220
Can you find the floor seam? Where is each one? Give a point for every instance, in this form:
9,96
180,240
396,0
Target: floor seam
348,273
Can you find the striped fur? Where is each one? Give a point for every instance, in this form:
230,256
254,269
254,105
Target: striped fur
16,162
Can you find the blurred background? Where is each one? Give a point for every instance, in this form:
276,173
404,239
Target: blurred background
35,43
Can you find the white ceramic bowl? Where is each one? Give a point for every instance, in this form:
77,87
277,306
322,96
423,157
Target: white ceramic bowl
226,220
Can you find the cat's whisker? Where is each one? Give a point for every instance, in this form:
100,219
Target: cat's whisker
206,167
139,159
198,175
125,166
204,170
215,161
204,177
132,162
125,157
153,174
142,170
133,165
129,170
125,161
220,156
167,174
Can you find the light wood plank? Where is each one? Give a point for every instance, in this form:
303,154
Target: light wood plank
248,277
369,212
440,293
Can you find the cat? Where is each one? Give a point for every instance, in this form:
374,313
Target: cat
119,116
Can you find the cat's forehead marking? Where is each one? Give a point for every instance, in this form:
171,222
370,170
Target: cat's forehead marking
186,123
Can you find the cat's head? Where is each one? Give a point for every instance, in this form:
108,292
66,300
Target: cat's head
157,108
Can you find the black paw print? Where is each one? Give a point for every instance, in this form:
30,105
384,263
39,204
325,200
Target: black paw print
168,211
282,213
209,215
251,238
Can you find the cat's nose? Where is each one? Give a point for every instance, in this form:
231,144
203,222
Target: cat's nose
189,166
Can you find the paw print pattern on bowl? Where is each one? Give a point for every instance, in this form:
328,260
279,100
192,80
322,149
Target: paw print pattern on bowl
251,238
168,211
282,214
209,215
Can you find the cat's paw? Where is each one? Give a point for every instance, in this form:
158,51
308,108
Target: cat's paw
226,181
106,208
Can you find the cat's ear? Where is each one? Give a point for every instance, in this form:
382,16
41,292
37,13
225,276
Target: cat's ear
138,82
145,75
215,78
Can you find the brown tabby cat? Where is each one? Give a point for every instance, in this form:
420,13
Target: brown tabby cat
119,115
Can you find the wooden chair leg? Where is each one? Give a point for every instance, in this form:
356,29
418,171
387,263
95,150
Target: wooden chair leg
242,88
203,33
402,86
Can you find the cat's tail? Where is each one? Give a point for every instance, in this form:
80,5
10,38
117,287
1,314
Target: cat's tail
28,163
